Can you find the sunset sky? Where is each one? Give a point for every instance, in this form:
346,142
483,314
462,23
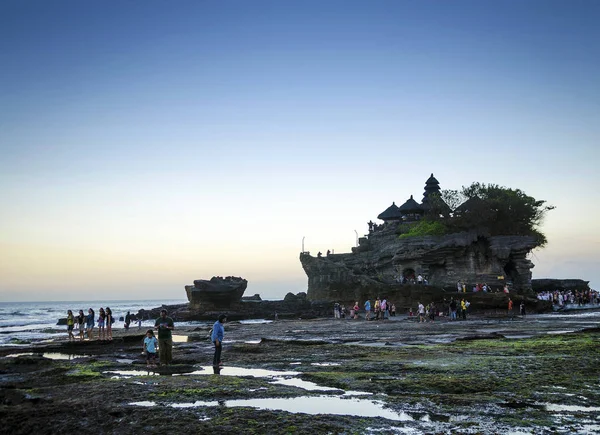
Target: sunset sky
146,144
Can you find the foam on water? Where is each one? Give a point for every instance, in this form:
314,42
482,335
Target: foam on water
26,322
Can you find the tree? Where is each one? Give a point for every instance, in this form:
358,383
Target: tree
499,210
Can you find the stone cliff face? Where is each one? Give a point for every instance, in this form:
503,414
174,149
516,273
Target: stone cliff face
383,260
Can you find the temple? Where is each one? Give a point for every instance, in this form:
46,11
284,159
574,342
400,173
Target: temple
385,259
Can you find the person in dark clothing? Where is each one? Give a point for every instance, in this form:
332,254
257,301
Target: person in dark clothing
127,320
452,309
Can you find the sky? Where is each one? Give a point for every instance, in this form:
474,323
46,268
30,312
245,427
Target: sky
146,144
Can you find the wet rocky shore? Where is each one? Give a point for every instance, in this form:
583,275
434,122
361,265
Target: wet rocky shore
490,374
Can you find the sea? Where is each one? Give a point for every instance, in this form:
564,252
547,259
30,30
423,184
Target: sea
22,323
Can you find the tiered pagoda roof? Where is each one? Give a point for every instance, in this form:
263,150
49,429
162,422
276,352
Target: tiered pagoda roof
392,213
410,207
432,185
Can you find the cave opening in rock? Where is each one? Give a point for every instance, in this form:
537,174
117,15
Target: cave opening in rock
510,271
409,274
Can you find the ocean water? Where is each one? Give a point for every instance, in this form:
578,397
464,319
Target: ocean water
22,323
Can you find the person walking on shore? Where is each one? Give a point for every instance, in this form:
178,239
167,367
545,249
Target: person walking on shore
421,312
70,324
90,324
101,321
165,325
218,332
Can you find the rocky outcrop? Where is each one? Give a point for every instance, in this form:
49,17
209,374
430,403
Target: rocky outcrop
217,292
542,285
292,307
383,262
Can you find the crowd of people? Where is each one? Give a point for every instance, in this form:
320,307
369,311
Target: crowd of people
85,323
380,310
570,297
383,309
481,287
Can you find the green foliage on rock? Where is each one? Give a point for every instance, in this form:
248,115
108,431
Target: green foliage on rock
425,227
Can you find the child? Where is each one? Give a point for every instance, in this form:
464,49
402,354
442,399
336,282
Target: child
149,347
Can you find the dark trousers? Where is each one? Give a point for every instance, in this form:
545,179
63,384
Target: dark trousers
217,357
165,350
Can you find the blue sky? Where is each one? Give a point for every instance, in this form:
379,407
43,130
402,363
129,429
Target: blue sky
147,144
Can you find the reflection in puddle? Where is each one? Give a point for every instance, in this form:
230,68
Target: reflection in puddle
50,355
325,364
305,385
179,338
254,321
143,403
312,405
125,374
252,341
570,408
559,332
239,371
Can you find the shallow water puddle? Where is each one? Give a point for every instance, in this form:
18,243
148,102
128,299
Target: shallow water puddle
143,403
179,338
305,385
125,374
254,321
50,355
305,405
554,407
240,371
325,364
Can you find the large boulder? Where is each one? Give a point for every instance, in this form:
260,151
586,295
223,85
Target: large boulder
218,292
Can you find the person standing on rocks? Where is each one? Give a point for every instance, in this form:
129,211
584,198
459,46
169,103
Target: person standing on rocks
452,309
218,331
109,322
101,321
421,312
510,307
165,325
463,307
368,310
81,323
90,323
70,324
